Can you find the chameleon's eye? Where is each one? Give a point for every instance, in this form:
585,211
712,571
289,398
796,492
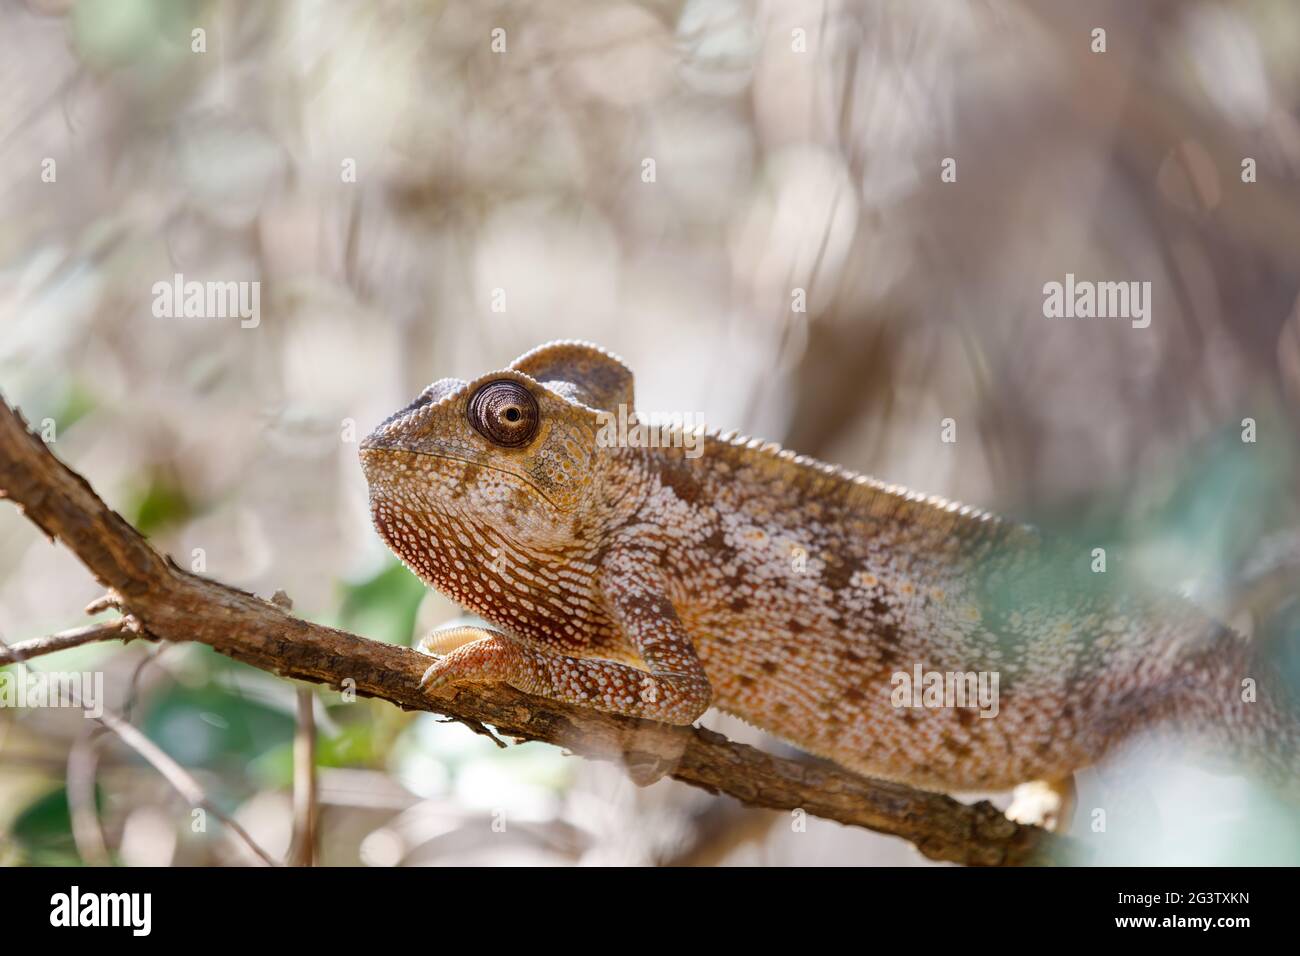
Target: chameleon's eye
505,413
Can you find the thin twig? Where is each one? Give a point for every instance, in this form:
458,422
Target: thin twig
179,778
40,646
302,850
83,768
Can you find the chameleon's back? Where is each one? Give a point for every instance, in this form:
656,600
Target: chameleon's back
824,604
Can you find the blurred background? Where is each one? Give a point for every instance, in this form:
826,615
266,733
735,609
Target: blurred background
428,189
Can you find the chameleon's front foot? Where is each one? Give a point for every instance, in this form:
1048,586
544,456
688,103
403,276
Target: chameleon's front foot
468,655
481,656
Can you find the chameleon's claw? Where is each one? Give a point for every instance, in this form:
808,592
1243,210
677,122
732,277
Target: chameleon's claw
471,657
429,681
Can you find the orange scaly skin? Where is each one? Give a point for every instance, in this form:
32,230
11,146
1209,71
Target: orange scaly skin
645,582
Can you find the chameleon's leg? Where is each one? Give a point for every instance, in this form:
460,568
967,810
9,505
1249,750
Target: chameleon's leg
673,689
1045,803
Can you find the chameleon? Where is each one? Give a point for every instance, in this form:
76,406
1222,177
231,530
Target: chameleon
656,579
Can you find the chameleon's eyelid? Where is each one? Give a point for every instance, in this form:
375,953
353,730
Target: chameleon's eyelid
539,389
441,389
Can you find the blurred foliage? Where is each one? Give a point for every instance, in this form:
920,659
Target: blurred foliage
383,606
77,402
160,504
1223,502
132,31
212,728
43,831
355,745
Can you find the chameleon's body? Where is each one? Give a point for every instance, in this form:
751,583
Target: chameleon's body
790,593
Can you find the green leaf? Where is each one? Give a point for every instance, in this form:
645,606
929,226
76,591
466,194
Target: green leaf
353,746
160,503
43,831
383,606
214,728
75,405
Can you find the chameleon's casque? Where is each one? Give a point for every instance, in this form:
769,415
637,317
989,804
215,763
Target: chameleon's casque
794,594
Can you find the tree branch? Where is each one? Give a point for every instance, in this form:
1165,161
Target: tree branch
171,604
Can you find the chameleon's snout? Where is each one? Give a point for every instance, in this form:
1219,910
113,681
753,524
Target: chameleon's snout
399,429
403,429
368,456
371,448
375,448
371,443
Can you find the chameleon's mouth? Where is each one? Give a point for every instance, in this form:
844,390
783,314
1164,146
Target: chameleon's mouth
371,465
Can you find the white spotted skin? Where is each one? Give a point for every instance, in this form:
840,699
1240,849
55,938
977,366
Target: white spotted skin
789,592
